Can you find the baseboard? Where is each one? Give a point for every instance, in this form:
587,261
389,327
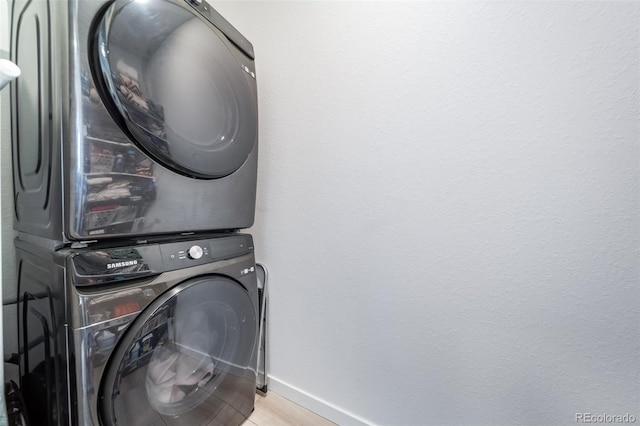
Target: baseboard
315,404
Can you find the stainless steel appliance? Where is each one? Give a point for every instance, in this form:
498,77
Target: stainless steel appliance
157,333
131,118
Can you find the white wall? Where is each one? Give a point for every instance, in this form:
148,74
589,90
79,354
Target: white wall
448,207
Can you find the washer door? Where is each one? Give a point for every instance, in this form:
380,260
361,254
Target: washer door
188,359
174,86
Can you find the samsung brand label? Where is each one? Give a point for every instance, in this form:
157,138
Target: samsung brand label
121,264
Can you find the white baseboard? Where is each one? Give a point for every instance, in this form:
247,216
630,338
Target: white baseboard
317,405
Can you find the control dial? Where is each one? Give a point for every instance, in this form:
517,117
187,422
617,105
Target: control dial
195,252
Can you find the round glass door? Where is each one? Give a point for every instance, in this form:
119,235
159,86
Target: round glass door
175,88
184,358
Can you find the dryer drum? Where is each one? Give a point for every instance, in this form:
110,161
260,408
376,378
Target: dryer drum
179,93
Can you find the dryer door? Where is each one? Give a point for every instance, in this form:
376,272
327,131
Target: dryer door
187,359
173,84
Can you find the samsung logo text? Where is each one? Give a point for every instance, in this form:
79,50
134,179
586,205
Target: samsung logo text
121,264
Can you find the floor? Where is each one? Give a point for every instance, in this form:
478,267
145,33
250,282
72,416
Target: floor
276,410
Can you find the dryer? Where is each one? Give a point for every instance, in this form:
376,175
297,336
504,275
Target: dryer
161,333
131,118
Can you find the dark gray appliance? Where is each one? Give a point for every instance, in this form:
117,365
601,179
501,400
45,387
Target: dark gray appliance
159,333
131,118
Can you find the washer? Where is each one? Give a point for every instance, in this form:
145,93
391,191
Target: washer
163,333
131,118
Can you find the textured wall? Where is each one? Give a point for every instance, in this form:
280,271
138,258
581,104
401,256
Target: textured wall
448,207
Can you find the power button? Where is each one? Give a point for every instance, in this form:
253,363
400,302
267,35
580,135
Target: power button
195,252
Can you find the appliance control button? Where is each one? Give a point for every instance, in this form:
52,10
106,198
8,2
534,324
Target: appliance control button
195,252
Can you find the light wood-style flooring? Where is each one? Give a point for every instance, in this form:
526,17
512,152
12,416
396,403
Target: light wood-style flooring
276,410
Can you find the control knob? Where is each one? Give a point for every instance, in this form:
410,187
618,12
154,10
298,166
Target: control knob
195,252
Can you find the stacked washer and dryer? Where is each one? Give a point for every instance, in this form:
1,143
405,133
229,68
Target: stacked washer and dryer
135,160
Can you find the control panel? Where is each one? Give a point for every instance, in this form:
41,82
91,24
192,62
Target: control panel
185,254
103,266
